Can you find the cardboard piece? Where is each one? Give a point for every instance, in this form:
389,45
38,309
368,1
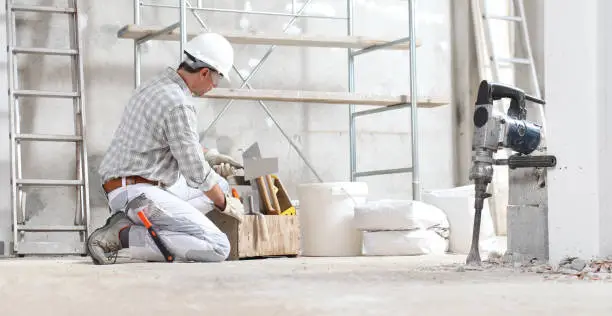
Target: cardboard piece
252,152
254,168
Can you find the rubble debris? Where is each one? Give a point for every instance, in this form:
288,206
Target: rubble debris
575,268
571,268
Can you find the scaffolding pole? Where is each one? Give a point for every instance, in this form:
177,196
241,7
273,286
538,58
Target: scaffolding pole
350,10
413,104
416,167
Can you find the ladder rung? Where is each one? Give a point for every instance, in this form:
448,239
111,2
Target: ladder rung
47,94
504,17
47,182
51,228
382,172
49,248
34,8
511,60
44,51
49,138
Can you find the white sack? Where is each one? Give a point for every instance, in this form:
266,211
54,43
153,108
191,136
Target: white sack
403,243
398,215
458,204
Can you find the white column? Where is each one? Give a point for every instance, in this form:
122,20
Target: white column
577,77
604,86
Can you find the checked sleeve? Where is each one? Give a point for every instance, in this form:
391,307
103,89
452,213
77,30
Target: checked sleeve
181,132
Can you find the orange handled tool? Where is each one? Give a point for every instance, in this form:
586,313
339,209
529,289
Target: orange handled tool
155,236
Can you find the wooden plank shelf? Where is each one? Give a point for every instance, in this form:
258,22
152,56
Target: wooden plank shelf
136,32
321,97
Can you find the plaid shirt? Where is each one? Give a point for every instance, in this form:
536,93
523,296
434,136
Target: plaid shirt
157,137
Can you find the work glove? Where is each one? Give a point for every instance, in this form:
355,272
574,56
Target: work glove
225,170
233,208
213,157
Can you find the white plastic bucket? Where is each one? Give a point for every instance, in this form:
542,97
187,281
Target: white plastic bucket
326,215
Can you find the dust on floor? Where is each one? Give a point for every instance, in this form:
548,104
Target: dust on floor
421,285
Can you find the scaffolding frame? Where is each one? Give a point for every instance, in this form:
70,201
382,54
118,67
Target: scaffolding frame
389,103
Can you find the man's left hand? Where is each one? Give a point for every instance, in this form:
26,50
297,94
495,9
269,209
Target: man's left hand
213,157
224,170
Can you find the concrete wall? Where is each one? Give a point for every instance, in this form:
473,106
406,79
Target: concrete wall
319,129
578,75
527,213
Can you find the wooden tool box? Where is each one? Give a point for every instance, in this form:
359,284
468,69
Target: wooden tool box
264,232
246,238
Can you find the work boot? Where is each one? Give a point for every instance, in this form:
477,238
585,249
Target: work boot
104,242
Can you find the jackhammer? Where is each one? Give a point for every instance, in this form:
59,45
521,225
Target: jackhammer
494,130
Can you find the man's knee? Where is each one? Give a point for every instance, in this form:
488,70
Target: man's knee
222,247
216,250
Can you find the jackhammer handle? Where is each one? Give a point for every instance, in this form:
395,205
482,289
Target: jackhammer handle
545,161
534,99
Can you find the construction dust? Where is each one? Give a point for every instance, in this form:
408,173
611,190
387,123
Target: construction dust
423,285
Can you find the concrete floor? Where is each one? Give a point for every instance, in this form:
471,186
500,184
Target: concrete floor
301,286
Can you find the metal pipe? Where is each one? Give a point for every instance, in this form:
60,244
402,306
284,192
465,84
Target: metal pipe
199,3
380,46
11,87
245,12
136,45
299,152
183,27
504,18
351,89
252,73
381,109
382,172
536,85
416,180
166,29
17,125
86,213
261,103
77,109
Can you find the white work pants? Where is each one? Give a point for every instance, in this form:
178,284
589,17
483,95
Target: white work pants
187,233
196,197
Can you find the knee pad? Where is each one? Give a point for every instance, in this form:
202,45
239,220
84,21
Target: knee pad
151,209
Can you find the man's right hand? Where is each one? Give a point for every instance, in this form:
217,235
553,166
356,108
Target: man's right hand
233,208
225,203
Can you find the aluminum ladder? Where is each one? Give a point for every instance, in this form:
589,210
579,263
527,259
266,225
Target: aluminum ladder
485,46
20,225
515,19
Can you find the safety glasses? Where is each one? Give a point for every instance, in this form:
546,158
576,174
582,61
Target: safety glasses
215,76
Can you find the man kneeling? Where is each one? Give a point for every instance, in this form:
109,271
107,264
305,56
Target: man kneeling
155,142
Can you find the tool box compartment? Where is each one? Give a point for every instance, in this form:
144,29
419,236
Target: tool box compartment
248,241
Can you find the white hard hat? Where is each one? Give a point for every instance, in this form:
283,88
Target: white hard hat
212,49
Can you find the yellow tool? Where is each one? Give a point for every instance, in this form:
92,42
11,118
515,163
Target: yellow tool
289,211
283,198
